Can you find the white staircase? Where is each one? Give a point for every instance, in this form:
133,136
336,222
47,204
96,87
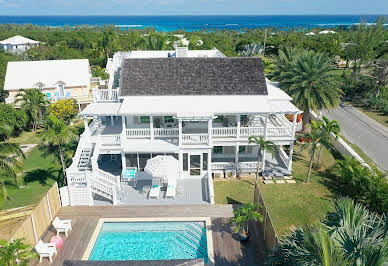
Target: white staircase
255,121
84,159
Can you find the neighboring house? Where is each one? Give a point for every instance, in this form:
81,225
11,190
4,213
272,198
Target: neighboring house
17,44
57,79
113,66
201,111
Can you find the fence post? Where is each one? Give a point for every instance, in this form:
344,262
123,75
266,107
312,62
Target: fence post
49,205
33,227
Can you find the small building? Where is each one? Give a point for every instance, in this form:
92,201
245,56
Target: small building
18,44
57,79
327,32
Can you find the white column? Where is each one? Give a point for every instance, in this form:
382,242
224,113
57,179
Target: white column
236,152
290,156
210,130
263,155
151,127
294,124
123,123
111,121
180,131
238,118
87,130
266,127
209,177
123,160
180,164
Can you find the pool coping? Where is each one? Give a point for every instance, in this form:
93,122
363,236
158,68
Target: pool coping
207,220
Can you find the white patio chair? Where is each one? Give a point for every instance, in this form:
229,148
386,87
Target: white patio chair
63,226
45,250
154,192
171,188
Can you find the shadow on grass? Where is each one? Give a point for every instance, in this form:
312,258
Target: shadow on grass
232,201
42,175
331,179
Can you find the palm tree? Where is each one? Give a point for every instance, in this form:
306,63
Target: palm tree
57,133
328,128
314,138
9,163
33,101
306,76
264,146
8,250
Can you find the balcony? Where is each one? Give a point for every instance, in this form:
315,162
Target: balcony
105,95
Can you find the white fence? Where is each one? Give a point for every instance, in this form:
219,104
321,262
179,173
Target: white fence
110,139
195,138
138,133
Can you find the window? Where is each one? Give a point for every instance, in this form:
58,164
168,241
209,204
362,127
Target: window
144,120
61,89
131,160
217,149
242,149
185,162
219,119
143,158
195,165
243,119
204,161
168,119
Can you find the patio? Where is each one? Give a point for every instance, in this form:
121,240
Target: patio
228,250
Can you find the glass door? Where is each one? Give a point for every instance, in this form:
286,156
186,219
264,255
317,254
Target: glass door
195,164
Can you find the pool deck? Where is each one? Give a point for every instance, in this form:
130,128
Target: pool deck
227,249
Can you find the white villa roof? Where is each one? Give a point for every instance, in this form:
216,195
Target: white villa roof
27,74
275,93
101,109
18,40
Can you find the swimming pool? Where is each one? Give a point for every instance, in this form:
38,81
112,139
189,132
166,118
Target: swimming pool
151,240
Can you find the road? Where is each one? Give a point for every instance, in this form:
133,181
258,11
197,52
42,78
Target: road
363,131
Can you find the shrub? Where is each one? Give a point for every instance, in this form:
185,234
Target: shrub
64,110
15,118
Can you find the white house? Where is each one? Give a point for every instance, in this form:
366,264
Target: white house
197,110
17,44
58,79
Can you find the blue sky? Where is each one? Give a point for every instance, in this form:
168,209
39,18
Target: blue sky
191,7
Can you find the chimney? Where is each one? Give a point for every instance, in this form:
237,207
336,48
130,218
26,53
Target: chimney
181,51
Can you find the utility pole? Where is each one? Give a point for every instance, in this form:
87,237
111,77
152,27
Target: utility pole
265,41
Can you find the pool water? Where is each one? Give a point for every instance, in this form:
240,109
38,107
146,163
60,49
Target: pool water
151,241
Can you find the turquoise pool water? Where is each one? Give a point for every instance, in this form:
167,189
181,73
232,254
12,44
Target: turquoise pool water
151,241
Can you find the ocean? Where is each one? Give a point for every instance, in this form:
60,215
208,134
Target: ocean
192,23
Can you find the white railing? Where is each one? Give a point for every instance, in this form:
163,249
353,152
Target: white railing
195,138
105,95
224,131
101,188
138,133
279,132
251,131
79,177
234,166
166,132
110,139
107,178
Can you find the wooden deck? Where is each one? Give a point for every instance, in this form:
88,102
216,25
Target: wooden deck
227,249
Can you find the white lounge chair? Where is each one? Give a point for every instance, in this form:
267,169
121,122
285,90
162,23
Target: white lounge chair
154,192
171,191
63,226
45,250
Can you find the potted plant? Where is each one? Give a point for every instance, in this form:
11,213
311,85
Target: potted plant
242,216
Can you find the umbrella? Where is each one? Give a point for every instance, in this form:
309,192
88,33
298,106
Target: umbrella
162,167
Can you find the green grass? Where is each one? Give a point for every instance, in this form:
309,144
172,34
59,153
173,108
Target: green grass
234,191
40,172
27,137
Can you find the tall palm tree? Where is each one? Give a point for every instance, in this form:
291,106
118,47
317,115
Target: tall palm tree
33,101
9,163
264,146
329,127
306,76
314,138
57,133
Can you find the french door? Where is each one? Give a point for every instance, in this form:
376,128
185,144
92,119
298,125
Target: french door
195,164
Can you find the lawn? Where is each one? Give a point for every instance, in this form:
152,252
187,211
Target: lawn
289,205
27,137
41,171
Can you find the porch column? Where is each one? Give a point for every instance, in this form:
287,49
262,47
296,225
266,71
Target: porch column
180,164
266,127
111,121
210,130
123,160
238,119
87,130
180,131
151,127
263,155
124,125
209,177
236,152
289,167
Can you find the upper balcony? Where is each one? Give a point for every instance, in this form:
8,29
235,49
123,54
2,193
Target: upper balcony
105,95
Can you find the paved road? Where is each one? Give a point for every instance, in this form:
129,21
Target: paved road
363,131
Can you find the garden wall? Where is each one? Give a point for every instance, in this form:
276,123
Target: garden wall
266,226
37,222
340,145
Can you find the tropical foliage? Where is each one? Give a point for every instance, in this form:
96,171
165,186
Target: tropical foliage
329,128
306,76
15,118
243,215
58,134
34,103
15,253
65,109
263,146
10,165
350,235
365,185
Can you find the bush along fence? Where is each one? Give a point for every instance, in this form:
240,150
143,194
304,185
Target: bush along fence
266,226
39,218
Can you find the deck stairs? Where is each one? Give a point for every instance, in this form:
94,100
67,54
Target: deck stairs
255,121
193,239
84,159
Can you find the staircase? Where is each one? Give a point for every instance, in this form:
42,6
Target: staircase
193,241
255,121
84,159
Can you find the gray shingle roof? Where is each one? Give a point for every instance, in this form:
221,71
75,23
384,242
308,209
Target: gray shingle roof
193,76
